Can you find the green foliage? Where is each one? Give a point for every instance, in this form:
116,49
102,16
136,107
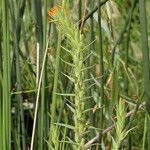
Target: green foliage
121,133
67,68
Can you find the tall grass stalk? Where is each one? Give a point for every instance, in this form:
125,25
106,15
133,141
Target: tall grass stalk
43,90
144,133
53,132
6,83
146,62
126,82
19,97
101,67
41,27
37,98
124,27
80,10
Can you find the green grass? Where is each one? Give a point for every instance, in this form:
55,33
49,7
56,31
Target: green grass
77,80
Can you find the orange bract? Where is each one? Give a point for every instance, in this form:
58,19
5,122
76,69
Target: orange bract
53,11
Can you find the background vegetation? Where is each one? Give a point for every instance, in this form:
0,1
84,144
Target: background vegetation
76,76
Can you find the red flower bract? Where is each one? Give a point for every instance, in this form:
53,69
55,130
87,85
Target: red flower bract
54,11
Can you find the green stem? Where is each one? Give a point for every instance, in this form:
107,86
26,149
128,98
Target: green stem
90,103
80,10
43,90
146,62
101,66
123,30
126,82
18,76
54,95
6,99
79,92
92,12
